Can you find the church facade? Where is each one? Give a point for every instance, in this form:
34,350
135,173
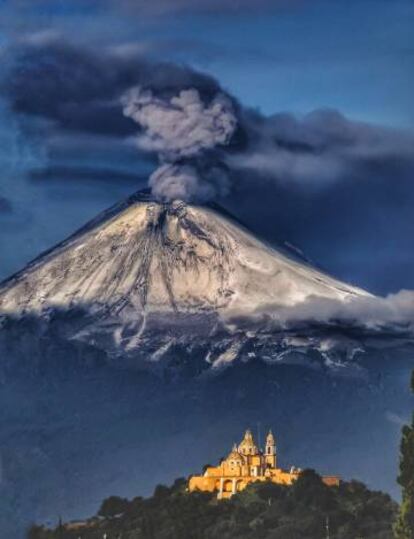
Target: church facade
246,464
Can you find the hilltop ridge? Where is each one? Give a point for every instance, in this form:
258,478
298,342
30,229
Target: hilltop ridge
262,510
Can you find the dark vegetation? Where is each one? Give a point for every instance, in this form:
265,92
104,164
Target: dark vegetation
262,511
404,528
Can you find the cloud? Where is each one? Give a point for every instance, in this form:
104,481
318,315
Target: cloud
320,147
397,419
395,311
182,114
355,325
73,93
182,127
79,89
187,182
182,182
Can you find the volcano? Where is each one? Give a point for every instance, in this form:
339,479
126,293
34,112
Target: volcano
144,256
150,276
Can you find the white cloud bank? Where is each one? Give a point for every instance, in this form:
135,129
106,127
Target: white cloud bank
395,311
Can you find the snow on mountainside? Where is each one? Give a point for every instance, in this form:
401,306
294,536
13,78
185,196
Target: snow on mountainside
145,256
150,281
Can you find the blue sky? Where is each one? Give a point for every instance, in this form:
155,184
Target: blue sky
355,56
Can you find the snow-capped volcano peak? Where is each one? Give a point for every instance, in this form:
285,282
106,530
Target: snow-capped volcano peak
147,256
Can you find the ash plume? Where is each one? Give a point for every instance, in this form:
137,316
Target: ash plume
181,129
186,182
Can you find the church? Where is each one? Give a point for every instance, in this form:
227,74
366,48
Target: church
245,464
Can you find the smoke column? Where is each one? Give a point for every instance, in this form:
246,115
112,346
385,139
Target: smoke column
182,129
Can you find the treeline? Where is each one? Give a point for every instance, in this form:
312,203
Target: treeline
307,510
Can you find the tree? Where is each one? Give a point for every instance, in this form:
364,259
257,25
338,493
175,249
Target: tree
309,489
161,492
404,527
114,505
36,532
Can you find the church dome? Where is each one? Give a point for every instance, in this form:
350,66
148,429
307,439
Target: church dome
235,455
247,445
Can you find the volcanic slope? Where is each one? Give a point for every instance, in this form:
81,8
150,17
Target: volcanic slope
143,256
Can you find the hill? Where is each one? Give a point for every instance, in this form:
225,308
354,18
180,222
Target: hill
262,511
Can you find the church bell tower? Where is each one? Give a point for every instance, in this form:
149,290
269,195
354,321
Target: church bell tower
270,450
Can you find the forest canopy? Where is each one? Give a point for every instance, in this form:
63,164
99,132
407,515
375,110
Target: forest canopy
261,511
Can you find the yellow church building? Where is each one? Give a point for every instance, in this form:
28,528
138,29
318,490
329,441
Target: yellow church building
246,464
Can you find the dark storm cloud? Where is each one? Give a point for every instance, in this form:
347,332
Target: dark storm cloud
79,89
77,95
319,148
181,114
